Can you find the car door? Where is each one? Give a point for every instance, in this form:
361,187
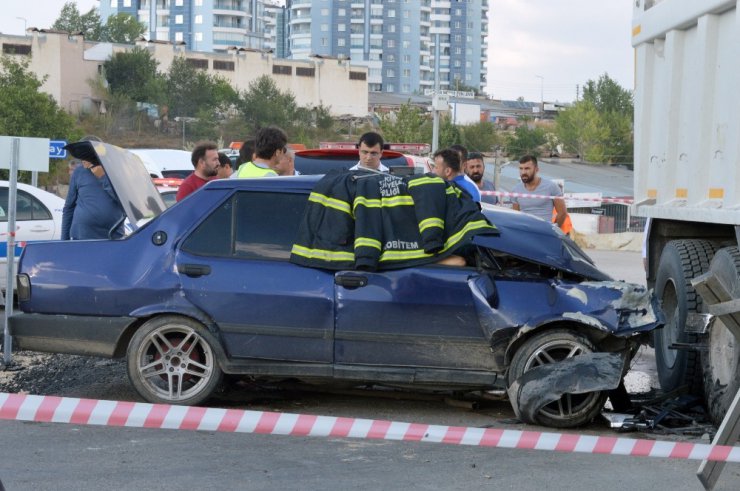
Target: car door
414,317
234,267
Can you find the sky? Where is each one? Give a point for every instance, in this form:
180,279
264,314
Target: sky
536,48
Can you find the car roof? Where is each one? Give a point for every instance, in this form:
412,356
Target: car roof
321,161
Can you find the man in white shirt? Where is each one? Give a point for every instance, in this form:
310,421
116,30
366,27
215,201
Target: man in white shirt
371,149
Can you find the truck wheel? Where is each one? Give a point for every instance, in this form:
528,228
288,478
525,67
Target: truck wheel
172,360
680,262
720,361
550,347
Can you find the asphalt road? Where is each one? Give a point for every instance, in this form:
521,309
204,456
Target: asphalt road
59,456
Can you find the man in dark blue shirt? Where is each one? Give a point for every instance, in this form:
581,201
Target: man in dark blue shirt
91,209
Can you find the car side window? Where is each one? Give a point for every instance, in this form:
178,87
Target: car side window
267,224
27,207
250,225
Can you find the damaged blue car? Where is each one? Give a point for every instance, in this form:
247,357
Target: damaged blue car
207,288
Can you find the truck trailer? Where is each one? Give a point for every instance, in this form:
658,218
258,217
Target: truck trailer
687,180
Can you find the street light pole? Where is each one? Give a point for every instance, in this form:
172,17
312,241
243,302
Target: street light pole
542,96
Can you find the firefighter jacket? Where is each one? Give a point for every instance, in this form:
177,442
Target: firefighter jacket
369,221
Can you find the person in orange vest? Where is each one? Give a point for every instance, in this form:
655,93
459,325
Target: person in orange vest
567,226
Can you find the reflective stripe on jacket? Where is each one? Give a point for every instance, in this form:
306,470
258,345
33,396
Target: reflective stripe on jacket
250,169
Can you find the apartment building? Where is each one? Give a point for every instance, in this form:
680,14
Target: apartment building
203,25
401,42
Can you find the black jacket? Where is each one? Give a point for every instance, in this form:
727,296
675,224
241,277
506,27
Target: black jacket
362,220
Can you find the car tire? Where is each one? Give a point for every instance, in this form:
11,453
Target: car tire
172,360
719,361
551,346
680,262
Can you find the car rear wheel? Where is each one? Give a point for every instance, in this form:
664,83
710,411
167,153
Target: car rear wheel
551,347
172,360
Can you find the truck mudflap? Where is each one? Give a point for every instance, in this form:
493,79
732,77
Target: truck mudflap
544,384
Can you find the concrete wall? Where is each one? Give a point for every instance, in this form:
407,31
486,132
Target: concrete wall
67,63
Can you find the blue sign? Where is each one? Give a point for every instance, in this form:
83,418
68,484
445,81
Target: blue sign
56,149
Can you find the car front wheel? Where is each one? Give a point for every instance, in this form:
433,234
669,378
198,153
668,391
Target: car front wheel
550,347
172,360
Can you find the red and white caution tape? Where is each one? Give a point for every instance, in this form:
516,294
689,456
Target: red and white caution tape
49,409
566,197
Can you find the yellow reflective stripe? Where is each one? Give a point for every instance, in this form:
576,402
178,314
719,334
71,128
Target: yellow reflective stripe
398,201
431,222
404,255
476,225
322,254
453,190
367,242
425,180
334,203
366,202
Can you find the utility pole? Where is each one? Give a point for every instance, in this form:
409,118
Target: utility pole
435,97
542,96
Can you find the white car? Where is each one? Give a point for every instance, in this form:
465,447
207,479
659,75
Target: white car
164,163
38,217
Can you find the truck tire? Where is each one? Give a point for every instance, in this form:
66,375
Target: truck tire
720,361
680,262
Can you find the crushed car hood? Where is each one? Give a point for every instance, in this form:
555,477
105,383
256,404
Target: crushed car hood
131,181
535,240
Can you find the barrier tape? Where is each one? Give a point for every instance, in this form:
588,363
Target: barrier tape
51,409
628,201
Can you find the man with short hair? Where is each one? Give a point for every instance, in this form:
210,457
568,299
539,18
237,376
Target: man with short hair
286,166
447,166
531,183
270,144
224,166
205,161
371,150
475,169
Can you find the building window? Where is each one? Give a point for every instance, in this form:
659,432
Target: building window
178,19
406,44
457,24
458,11
391,43
114,3
324,12
391,12
199,36
197,63
324,27
390,88
178,3
198,3
341,27
407,29
390,73
406,14
458,38
282,69
341,12
457,63
406,72
198,19
407,58
406,88
357,76
305,71
223,65
16,49
324,42
178,37
469,39
390,58
126,3
458,51
392,28
341,42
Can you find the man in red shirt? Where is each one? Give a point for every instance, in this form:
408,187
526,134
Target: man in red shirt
206,163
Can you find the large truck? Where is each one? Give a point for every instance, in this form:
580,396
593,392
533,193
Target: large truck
687,180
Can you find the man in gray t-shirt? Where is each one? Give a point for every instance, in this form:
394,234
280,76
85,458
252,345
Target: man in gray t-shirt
531,183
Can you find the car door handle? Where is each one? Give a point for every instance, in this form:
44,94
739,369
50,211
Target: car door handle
194,270
40,228
351,280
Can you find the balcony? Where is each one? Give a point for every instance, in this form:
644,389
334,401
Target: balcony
228,5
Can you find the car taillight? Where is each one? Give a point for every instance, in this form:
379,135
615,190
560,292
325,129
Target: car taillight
23,287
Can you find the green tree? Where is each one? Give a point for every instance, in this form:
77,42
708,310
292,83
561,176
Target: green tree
581,129
479,137
403,126
71,20
134,74
525,141
608,96
122,28
25,110
263,104
191,90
